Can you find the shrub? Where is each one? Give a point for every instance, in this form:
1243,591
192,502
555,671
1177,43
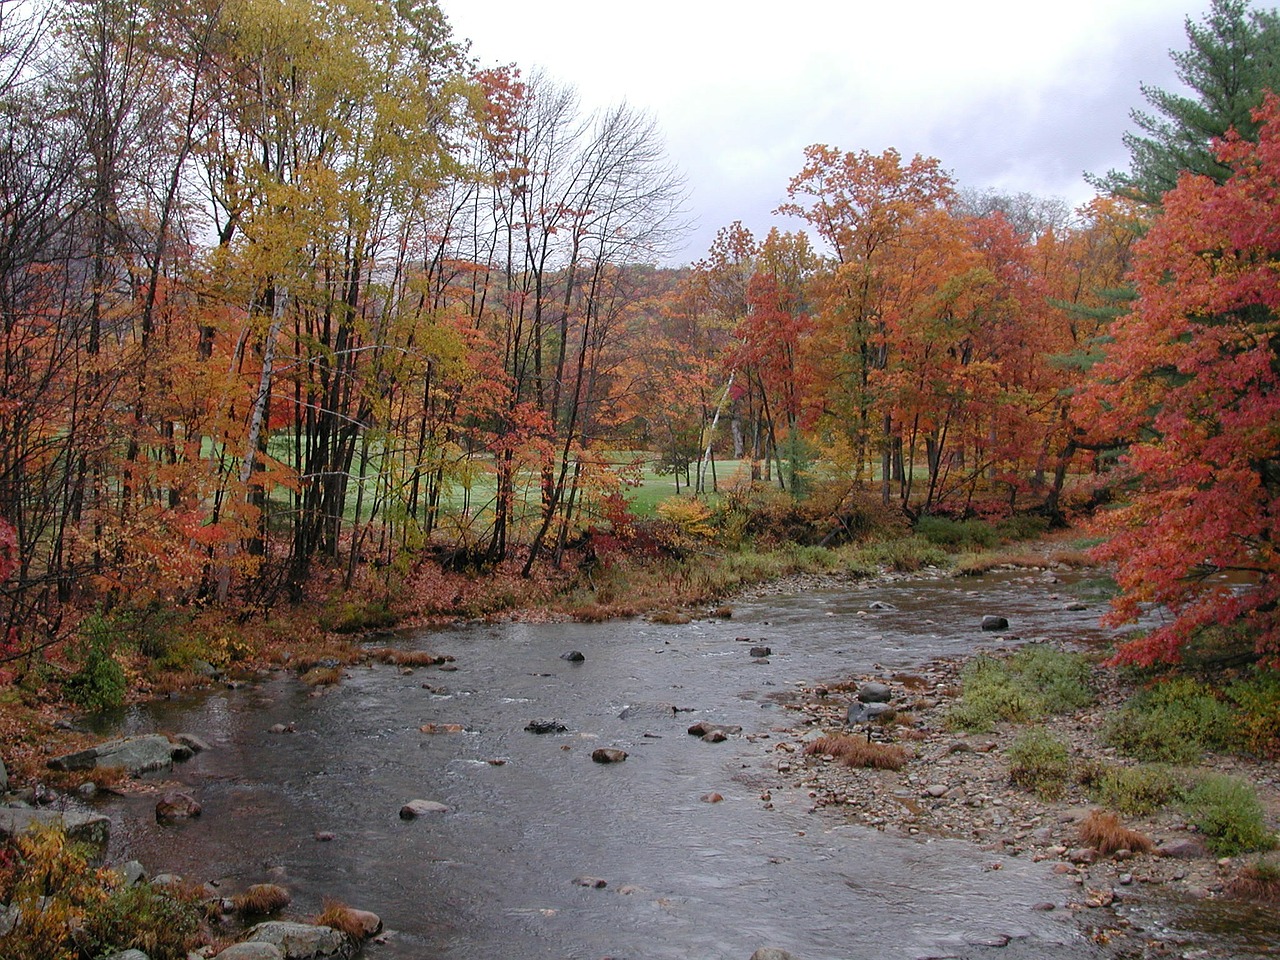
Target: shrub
1226,811
1035,682
957,534
1103,831
357,617
859,752
142,918
1039,761
1136,791
1257,719
1175,721
99,682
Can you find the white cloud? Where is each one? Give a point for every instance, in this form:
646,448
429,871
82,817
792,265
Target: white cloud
1005,93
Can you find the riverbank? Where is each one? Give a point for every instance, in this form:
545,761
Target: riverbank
957,785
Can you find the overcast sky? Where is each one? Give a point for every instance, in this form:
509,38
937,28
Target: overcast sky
1015,95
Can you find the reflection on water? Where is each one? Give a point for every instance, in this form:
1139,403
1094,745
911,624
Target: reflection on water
493,878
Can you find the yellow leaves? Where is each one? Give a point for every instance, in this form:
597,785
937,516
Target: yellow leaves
689,515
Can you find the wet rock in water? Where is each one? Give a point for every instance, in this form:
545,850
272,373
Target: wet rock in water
90,828
283,728
177,806
608,755
648,711
1076,605
545,726
192,742
1187,849
251,951
593,883
573,656
993,622
874,693
881,605
761,652
418,808
711,798
325,836
132,873
370,923
135,754
302,941
131,954
442,728
866,712
1043,906
772,953
713,732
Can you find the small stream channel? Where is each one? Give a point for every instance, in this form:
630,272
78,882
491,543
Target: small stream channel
687,880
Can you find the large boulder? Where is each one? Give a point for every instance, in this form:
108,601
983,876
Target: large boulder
137,755
302,941
91,828
874,693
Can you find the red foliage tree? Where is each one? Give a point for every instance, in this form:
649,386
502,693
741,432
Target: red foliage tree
1192,382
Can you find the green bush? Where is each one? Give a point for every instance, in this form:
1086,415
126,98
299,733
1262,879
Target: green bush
1037,681
1257,719
1136,791
957,534
1226,811
357,617
1175,721
1023,526
142,918
1040,762
98,683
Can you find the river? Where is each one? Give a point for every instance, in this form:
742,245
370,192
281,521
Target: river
529,814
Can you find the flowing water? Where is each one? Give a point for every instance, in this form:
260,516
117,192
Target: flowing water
528,814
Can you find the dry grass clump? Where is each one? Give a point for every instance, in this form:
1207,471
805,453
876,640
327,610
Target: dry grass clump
407,658
261,899
340,917
1258,881
1103,831
669,617
858,752
322,676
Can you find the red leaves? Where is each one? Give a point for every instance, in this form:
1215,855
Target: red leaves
1193,380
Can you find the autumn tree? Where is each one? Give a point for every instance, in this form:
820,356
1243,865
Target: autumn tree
1192,381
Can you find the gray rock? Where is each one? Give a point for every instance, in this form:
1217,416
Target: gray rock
874,693
192,742
302,941
651,711
370,923
866,712
9,914
132,872
418,808
608,755
135,754
4,778
1188,849
881,605
127,955
251,951
573,656
992,622
205,669
772,953
91,828
761,652
594,883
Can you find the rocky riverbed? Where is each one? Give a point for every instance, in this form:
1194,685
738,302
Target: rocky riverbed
958,786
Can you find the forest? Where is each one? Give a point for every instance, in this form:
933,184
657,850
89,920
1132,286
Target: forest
295,299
